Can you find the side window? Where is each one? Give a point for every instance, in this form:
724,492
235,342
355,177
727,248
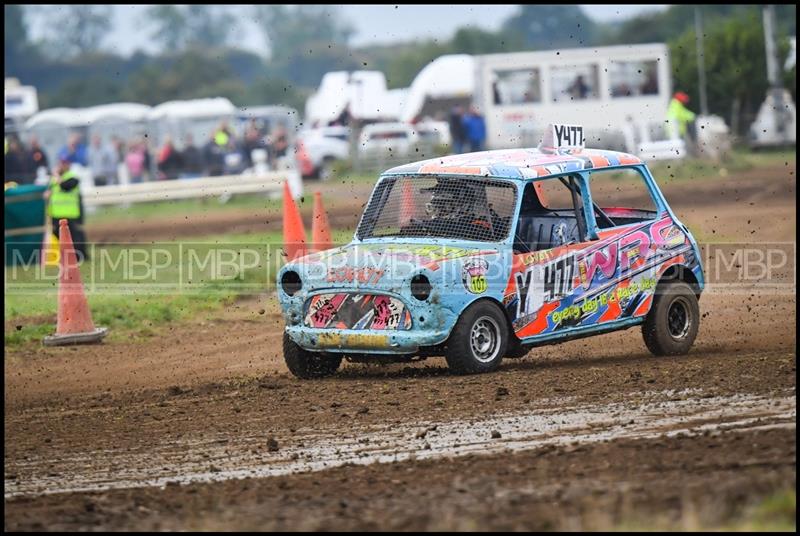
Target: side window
520,86
574,82
551,215
621,197
554,194
633,78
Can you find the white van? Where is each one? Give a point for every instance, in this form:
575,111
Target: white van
600,88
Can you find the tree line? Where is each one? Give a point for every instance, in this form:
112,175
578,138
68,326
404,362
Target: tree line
197,54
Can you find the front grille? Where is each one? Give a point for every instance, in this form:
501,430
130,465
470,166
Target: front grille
357,311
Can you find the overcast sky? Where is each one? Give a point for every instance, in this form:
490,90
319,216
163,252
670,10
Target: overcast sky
373,23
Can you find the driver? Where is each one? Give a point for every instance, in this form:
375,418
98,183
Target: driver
458,203
446,203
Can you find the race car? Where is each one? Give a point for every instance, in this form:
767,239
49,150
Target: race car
486,255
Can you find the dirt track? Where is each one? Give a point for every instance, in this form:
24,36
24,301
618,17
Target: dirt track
592,434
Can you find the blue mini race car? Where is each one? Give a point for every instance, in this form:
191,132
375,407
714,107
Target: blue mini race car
482,256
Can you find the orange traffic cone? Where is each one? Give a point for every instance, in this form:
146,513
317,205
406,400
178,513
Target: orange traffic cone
294,234
407,205
74,318
320,230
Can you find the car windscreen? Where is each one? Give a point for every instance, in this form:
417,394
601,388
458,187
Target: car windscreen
456,208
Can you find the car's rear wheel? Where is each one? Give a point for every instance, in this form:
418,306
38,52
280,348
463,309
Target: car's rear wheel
307,365
671,326
478,341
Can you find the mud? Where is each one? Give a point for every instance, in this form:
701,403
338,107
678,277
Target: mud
556,422
202,427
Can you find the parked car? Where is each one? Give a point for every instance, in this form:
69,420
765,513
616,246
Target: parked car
394,138
433,132
319,148
486,255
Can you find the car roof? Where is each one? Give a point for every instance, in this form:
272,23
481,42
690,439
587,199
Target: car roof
517,163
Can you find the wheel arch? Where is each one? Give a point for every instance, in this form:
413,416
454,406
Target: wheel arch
681,272
499,305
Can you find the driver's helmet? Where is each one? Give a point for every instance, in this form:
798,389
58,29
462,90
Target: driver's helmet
449,200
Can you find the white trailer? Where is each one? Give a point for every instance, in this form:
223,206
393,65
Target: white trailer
601,88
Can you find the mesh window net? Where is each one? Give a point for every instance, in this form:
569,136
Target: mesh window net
455,208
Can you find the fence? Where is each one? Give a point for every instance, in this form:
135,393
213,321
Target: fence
270,183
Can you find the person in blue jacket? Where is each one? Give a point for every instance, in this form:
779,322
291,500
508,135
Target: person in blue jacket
474,129
75,150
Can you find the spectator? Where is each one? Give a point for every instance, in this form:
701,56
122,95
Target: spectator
252,140
457,129
37,158
192,158
169,161
650,86
279,144
343,119
119,147
579,89
215,157
103,162
679,117
498,99
223,136
148,160
16,168
474,129
225,157
75,150
621,90
135,161
65,202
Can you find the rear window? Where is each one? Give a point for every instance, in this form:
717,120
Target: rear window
454,208
622,196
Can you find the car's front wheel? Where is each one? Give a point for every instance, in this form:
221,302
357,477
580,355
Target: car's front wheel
673,321
305,364
479,339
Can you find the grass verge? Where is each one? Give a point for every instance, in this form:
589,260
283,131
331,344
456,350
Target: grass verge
137,289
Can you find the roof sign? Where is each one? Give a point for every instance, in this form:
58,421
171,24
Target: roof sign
563,136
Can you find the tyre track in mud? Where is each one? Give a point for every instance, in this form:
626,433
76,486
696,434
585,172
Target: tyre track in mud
557,422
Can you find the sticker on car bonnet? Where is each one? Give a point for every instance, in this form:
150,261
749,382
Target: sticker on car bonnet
473,275
357,311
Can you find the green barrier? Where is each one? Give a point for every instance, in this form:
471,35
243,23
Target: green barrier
24,223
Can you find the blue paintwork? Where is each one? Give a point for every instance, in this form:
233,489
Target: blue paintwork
440,311
433,319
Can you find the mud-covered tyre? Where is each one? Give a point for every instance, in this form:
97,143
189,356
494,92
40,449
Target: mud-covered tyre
671,326
307,365
478,341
